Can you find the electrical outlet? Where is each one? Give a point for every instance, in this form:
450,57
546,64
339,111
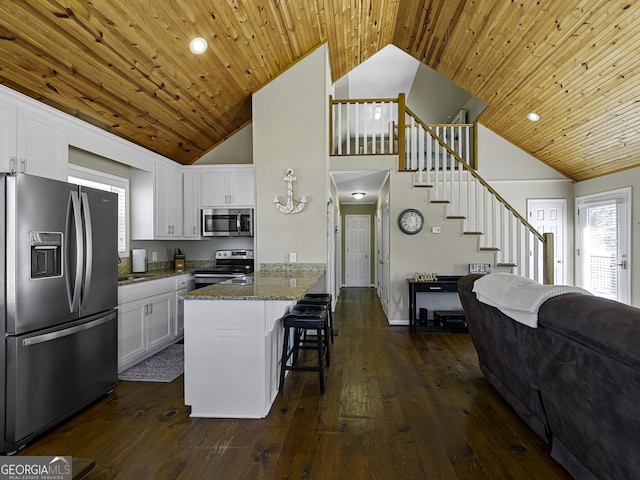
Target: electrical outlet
154,256
293,258
436,230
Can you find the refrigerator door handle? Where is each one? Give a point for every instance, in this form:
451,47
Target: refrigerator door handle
47,337
74,300
89,250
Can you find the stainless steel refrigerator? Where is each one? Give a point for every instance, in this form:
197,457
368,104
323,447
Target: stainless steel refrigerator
59,293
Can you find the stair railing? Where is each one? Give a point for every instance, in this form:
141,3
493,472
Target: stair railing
439,153
443,155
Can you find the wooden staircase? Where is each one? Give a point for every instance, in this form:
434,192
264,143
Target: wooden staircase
439,157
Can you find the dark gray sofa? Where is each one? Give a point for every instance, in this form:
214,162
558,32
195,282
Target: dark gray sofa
575,379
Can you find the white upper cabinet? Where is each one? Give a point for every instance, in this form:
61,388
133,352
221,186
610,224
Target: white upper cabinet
227,187
8,137
191,204
214,188
241,188
168,197
156,203
32,141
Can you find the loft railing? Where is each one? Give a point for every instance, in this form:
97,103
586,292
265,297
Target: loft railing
363,127
441,157
379,126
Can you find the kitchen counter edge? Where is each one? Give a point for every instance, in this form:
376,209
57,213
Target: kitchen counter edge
153,275
271,285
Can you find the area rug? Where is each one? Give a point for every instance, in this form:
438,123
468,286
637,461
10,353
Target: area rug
164,366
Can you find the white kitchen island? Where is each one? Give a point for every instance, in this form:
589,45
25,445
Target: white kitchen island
233,342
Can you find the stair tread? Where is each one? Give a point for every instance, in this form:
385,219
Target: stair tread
472,233
440,201
489,249
506,264
422,186
456,217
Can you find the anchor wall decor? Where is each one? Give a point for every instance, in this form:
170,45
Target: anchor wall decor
292,206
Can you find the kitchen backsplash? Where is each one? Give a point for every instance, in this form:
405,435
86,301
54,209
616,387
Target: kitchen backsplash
293,267
124,267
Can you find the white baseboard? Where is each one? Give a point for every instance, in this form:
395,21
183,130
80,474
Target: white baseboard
394,323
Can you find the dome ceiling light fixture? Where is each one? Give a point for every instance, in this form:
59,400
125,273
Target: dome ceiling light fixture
533,116
358,195
198,45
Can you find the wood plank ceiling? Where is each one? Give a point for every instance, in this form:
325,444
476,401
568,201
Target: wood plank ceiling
125,66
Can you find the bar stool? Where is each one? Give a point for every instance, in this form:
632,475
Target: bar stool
301,320
320,299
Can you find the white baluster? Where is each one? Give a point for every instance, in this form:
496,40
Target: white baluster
391,142
357,129
365,138
339,108
467,156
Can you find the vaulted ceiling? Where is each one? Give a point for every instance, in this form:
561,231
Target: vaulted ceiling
125,65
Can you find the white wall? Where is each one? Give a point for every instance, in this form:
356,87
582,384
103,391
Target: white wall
626,178
518,176
238,148
433,98
290,130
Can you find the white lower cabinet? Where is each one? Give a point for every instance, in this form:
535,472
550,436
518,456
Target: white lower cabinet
233,351
159,320
132,338
147,319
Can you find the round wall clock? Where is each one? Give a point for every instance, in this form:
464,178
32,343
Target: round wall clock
410,221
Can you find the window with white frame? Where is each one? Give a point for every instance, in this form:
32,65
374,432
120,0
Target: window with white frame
110,183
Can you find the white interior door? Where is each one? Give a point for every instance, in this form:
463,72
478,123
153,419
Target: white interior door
358,252
549,216
604,226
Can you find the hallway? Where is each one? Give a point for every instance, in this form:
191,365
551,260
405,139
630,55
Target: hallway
397,406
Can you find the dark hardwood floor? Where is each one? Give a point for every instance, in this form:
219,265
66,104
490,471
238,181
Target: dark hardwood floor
397,406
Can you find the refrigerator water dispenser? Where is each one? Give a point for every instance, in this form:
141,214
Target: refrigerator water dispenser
46,254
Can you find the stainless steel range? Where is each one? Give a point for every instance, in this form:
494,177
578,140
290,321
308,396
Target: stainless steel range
229,264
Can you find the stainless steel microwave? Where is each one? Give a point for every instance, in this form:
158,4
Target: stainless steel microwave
227,222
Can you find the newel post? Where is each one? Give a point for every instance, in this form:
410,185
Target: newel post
548,267
401,130
331,125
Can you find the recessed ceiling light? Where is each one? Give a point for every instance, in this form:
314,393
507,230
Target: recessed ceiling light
198,45
533,116
358,195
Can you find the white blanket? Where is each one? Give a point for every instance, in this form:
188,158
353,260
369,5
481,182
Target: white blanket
518,297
